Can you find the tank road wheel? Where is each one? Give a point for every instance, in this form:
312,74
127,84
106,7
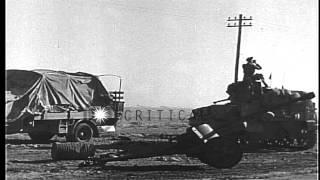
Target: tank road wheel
221,153
40,136
82,133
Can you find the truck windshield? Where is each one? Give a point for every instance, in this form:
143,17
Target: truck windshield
111,83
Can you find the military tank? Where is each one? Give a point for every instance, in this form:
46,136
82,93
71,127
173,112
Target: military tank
272,118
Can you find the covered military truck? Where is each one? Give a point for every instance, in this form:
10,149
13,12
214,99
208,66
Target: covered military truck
44,103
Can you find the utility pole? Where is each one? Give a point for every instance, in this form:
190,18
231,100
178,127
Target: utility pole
240,24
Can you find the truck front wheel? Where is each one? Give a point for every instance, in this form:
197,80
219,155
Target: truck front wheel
83,132
40,136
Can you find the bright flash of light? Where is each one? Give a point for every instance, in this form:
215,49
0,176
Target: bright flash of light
100,114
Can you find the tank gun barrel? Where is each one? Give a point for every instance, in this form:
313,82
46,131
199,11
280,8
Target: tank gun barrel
222,100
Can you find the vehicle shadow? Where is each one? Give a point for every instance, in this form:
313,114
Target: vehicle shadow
154,168
128,168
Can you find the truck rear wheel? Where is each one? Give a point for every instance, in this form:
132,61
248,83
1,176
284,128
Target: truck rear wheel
221,153
83,132
40,136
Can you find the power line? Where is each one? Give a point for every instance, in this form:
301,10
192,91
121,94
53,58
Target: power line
238,23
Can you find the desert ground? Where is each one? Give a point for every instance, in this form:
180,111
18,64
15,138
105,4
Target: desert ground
28,160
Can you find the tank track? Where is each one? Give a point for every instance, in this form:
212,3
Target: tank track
280,144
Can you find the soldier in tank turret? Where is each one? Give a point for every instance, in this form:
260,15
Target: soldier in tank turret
249,72
251,78
249,69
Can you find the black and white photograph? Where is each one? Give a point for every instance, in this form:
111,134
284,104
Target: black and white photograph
161,89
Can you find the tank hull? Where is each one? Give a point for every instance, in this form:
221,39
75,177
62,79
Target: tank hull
291,125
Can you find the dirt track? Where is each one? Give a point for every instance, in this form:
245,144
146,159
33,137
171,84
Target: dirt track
26,160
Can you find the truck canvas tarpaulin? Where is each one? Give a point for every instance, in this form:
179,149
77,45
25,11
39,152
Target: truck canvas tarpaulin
38,90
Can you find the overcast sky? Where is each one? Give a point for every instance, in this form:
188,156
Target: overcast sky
169,52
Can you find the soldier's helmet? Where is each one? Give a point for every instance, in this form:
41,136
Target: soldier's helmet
249,59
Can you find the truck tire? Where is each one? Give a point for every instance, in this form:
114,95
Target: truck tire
221,153
83,132
40,136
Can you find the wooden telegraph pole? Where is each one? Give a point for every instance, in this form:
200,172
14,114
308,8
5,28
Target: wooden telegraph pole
239,25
